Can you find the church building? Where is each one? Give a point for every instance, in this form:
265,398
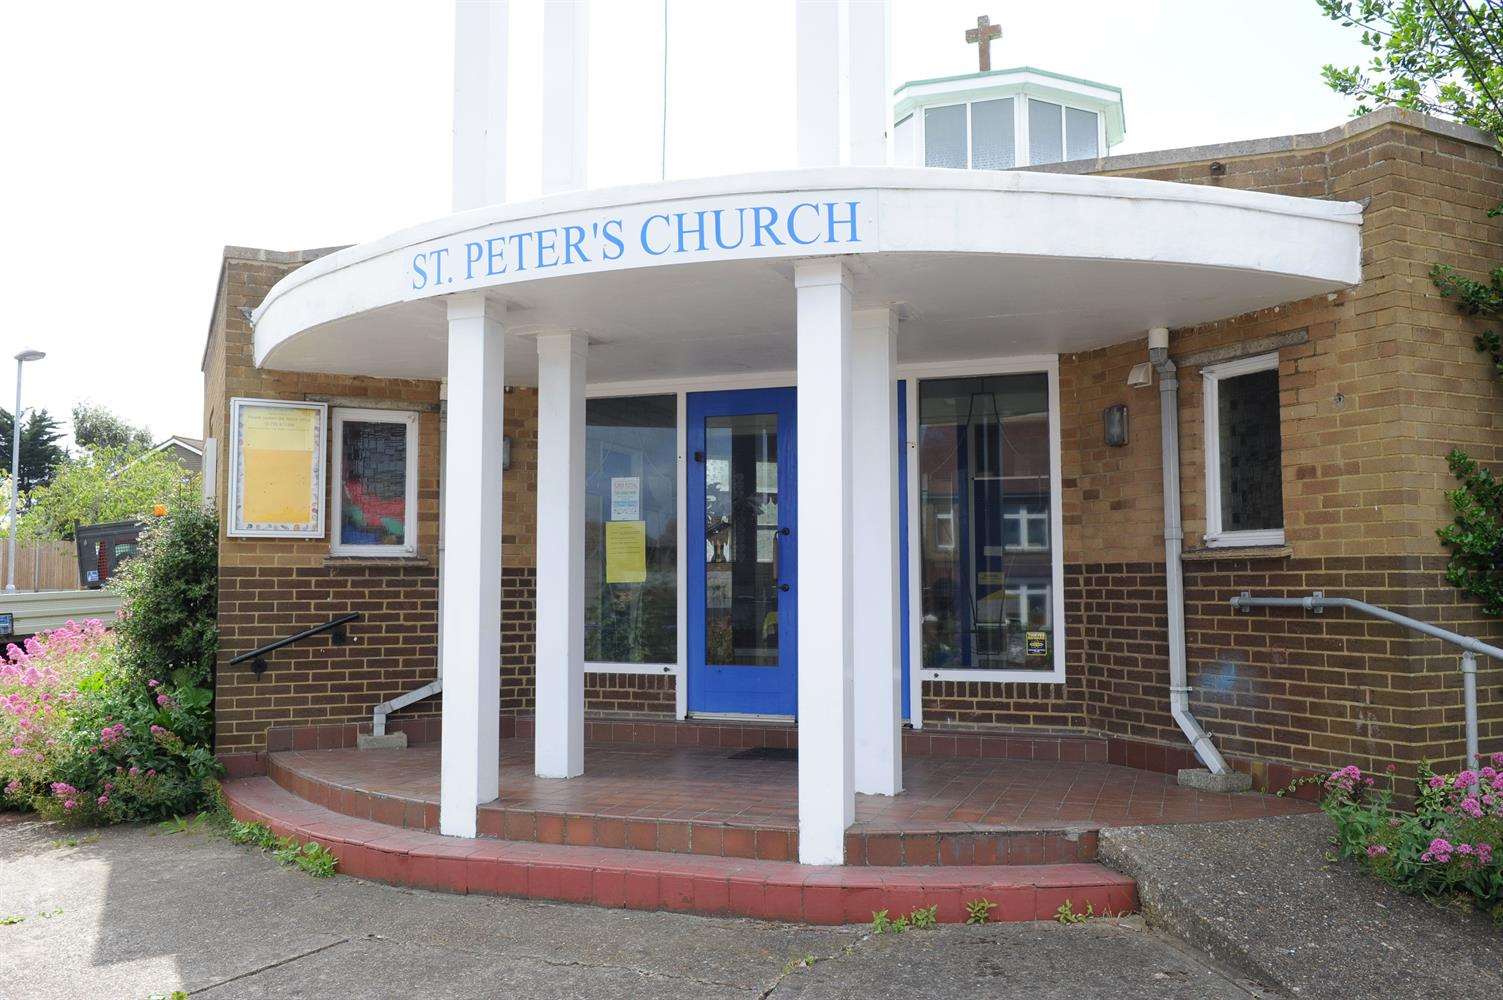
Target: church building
743,520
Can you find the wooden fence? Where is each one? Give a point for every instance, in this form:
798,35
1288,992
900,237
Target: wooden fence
41,565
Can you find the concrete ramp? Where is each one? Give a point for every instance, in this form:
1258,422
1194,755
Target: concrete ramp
1260,896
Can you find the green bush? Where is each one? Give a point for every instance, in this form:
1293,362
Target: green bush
1450,846
88,740
167,625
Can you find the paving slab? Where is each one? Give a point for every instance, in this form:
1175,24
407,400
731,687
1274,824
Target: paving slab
132,912
1260,895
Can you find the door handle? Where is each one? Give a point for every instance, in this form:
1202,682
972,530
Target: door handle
783,587
785,532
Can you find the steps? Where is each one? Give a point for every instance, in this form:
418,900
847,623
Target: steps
656,879
866,843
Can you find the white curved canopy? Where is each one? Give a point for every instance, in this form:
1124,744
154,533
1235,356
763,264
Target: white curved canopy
695,277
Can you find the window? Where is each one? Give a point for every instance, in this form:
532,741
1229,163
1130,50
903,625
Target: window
992,144
1080,135
987,569
1045,132
1056,133
631,529
945,140
1244,458
375,482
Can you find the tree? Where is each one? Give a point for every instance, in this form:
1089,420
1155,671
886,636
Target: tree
40,452
99,427
1445,57
168,624
108,484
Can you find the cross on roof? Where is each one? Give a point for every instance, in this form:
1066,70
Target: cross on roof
982,35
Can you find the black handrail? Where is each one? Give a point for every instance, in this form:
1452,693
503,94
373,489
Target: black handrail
258,656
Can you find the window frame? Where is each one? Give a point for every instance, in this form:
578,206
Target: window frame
1212,376
920,672
677,666
409,418
1020,132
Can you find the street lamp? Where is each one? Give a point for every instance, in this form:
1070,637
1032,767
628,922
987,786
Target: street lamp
15,466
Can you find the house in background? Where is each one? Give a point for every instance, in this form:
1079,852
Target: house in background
188,452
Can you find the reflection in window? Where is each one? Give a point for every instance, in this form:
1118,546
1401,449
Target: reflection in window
741,532
631,526
376,482
1252,475
987,557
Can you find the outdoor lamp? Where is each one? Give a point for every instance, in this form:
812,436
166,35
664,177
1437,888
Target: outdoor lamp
1114,425
15,466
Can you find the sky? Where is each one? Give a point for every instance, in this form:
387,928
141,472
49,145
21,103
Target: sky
140,139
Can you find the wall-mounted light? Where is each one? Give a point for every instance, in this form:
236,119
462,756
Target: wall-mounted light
1114,425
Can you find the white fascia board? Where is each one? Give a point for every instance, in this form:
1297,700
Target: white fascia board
901,208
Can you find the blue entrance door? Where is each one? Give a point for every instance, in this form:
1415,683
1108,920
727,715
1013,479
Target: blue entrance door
742,553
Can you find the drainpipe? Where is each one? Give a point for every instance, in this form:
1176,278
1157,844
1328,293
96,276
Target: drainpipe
1174,582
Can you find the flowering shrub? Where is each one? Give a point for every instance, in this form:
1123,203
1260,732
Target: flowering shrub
1451,844
86,740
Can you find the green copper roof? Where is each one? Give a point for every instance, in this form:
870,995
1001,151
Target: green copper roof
1006,72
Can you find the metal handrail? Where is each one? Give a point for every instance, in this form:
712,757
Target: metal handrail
258,656
1471,647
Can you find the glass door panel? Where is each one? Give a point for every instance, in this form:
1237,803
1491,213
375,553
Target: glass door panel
741,539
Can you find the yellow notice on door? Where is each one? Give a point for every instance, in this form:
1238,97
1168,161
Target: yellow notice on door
625,551
278,448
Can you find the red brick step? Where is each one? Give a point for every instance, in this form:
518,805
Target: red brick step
654,880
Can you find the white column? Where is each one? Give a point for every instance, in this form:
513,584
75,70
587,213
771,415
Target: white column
480,40
826,800
817,63
874,552
566,60
869,54
560,547
470,582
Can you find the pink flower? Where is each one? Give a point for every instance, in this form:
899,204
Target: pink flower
162,699
69,804
1466,779
1485,853
1471,807
103,800
134,771
1376,850
153,683
1439,850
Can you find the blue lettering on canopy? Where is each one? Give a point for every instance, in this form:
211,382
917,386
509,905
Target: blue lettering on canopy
687,233
650,220
793,218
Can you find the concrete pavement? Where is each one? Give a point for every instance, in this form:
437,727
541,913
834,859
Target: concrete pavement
134,912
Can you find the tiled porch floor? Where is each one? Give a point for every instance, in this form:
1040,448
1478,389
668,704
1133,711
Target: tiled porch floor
704,785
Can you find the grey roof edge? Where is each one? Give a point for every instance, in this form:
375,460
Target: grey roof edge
1277,144
260,255
255,255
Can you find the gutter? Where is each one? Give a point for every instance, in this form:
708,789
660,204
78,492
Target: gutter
1174,536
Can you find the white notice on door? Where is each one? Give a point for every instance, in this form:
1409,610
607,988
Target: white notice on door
626,498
